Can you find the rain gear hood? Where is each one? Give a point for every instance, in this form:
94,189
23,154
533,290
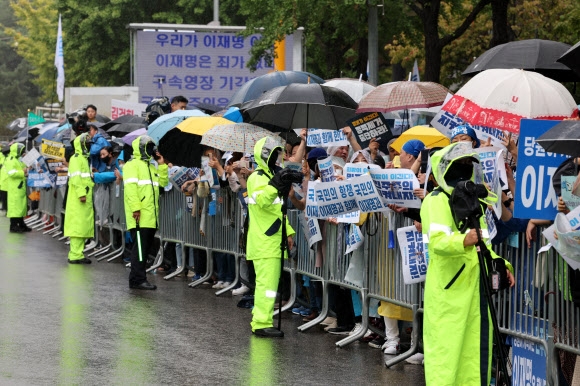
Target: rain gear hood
82,145
265,153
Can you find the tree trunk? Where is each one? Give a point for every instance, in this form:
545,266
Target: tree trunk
363,58
433,47
502,32
399,72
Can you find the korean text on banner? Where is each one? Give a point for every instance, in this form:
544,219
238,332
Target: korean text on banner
311,230
574,219
396,186
39,180
120,108
371,125
414,253
535,195
52,149
355,239
354,170
326,169
325,138
181,175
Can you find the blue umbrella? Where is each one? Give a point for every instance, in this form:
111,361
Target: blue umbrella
167,122
47,132
234,114
253,88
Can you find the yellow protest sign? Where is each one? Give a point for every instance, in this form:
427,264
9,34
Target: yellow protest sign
52,149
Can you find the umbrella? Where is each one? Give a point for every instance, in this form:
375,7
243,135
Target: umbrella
355,88
208,108
124,119
571,58
101,118
430,136
166,122
253,88
501,98
563,138
233,114
27,132
123,129
182,144
47,132
402,95
235,137
301,106
18,124
533,55
129,138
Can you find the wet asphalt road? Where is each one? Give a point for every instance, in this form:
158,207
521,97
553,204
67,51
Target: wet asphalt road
73,324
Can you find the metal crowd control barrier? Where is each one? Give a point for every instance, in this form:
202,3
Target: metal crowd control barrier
539,309
113,220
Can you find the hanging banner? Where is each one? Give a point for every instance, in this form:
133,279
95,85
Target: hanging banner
414,253
396,186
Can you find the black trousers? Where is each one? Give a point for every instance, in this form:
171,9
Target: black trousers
138,273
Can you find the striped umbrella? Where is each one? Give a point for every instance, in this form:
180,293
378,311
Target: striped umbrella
402,95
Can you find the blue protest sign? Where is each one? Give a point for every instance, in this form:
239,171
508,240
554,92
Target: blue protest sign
535,196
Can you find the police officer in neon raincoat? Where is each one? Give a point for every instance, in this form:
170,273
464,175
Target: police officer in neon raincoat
142,180
457,328
2,178
265,234
15,185
79,221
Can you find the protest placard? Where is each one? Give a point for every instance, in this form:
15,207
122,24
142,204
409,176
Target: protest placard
311,229
351,170
535,195
61,179
34,160
52,149
326,169
120,108
414,253
324,138
53,164
570,199
349,218
354,240
569,253
180,175
38,180
371,125
396,186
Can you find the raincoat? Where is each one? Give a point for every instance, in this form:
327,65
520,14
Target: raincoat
264,234
141,180
79,220
15,182
457,329
2,159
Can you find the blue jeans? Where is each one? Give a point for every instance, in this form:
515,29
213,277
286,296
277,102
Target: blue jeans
225,266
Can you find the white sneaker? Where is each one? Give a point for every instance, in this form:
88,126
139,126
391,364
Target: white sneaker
390,347
332,325
416,359
357,328
240,291
328,321
226,284
91,245
218,285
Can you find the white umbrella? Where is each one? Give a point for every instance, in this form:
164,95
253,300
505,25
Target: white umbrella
500,98
355,88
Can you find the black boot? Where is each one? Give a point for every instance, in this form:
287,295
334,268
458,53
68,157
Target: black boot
14,227
270,332
23,226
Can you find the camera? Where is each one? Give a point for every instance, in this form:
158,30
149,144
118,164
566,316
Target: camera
465,204
289,176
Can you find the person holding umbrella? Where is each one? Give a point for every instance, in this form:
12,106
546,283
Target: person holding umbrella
79,222
142,179
15,185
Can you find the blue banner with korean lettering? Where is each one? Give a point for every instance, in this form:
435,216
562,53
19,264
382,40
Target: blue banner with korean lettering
535,195
205,67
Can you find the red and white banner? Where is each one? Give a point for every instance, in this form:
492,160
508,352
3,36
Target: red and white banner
120,108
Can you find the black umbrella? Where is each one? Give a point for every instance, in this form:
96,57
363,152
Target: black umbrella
533,55
124,119
301,106
563,138
18,124
208,108
181,148
123,129
571,58
102,118
253,88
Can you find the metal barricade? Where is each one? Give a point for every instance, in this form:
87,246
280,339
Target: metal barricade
114,221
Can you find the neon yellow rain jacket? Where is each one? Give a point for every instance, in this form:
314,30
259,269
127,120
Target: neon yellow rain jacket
79,219
457,330
141,180
264,209
15,182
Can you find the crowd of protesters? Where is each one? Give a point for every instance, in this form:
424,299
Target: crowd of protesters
452,347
